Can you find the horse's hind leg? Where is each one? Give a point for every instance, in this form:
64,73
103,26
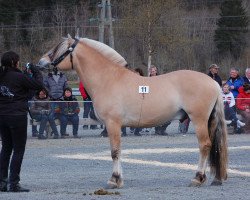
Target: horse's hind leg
114,132
204,148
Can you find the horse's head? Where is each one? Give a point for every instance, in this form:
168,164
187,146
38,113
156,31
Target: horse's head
60,56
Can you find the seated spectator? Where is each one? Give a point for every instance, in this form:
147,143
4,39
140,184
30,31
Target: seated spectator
243,104
229,108
69,110
40,110
235,81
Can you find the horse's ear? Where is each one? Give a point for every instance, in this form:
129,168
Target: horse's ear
69,36
77,34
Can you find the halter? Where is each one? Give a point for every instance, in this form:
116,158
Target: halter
64,55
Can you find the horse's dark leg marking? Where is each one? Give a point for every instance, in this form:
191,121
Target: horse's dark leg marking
115,154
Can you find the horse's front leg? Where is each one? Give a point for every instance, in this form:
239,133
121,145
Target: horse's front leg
114,133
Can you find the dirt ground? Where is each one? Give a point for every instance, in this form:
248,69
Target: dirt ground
154,167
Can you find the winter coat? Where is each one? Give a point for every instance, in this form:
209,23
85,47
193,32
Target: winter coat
39,104
68,106
14,91
229,98
55,88
237,83
83,92
243,100
216,77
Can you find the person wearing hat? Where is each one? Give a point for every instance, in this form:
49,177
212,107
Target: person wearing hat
69,110
213,73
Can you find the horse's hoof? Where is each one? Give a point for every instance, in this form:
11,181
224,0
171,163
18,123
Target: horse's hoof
115,182
112,185
198,180
194,183
216,182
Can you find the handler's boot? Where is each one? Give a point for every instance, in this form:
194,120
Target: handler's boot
3,186
17,188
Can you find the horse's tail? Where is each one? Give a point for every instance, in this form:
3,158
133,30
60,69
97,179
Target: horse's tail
218,135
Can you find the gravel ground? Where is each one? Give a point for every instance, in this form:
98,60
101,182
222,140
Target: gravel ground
154,167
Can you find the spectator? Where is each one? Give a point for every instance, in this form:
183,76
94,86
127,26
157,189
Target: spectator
28,72
235,81
14,91
243,104
138,130
88,108
159,130
153,71
246,78
55,83
40,111
69,110
229,108
213,73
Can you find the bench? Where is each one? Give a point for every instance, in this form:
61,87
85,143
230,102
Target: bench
82,121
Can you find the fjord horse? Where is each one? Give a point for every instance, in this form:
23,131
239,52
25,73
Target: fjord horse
123,98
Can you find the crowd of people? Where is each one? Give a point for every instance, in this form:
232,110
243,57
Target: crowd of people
236,97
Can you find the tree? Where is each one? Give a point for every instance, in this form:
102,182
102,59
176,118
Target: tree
230,36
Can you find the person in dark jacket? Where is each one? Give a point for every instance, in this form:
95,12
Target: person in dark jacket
14,91
213,73
246,78
69,110
55,84
40,110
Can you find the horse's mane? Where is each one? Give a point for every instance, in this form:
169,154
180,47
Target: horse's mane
106,51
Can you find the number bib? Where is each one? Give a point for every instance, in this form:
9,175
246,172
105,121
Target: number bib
143,89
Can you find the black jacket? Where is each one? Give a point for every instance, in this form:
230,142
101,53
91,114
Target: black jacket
216,77
14,91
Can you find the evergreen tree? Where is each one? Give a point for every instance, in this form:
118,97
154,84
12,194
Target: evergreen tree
230,36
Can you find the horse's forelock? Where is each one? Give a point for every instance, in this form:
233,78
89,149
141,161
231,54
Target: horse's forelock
106,51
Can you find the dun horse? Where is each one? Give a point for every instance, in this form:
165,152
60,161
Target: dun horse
123,98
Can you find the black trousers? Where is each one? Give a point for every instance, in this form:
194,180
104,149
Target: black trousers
14,135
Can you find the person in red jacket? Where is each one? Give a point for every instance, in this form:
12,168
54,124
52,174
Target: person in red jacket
243,104
88,109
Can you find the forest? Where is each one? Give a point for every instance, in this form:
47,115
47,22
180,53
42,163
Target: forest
176,34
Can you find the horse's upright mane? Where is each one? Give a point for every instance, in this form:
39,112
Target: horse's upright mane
106,51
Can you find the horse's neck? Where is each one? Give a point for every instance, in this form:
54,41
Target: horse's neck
94,69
